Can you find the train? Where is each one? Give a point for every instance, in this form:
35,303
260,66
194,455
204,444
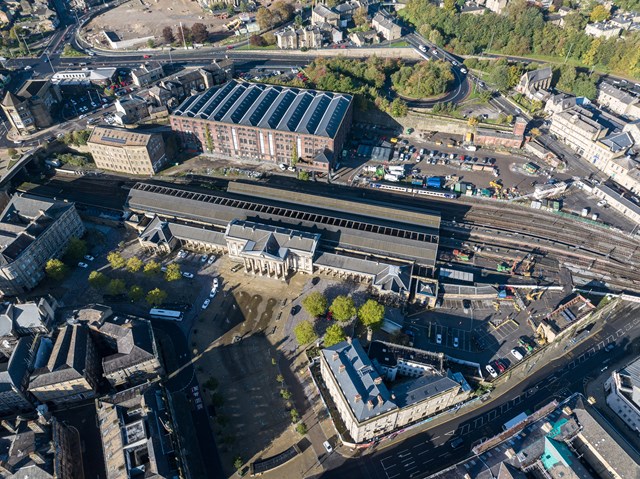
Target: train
416,191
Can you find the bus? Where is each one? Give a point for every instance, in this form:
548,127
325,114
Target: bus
166,314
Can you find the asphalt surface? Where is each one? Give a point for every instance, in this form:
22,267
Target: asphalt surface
430,451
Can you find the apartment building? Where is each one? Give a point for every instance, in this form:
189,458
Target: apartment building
33,231
618,101
24,319
29,110
264,122
624,394
131,110
147,73
134,429
72,371
127,151
42,448
367,406
291,38
386,27
602,30
323,14
14,376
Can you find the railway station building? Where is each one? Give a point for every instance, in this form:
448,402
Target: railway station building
276,233
267,123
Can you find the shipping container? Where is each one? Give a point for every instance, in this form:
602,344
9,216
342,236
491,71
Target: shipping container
417,182
434,182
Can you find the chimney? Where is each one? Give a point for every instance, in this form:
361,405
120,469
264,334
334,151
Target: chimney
341,368
36,457
380,400
393,396
377,380
35,427
358,398
335,356
370,404
8,426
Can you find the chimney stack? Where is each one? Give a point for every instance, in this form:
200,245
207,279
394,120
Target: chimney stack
8,426
358,398
37,457
335,356
370,404
349,339
6,468
377,380
342,368
380,400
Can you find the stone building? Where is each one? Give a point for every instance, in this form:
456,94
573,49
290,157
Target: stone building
618,101
386,27
147,73
29,110
14,376
535,81
33,231
127,151
323,14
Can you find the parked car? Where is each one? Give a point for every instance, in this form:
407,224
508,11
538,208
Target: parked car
182,254
205,305
457,442
212,293
211,259
88,257
491,371
295,309
204,258
83,265
216,283
328,447
456,342
517,354
187,275
609,347
439,338
499,366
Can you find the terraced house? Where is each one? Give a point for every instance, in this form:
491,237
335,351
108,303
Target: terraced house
264,122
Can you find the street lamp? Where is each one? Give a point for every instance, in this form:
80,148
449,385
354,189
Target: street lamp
49,61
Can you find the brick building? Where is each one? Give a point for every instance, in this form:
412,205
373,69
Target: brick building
264,122
128,151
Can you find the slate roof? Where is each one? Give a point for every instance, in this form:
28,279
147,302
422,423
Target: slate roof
265,240
26,315
23,220
119,137
159,231
541,74
271,107
615,196
421,388
357,381
617,93
325,12
618,142
134,342
384,22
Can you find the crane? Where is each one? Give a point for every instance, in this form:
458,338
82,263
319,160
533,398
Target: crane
534,295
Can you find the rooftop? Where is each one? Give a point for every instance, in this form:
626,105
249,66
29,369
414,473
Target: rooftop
109,136
617,93
271,107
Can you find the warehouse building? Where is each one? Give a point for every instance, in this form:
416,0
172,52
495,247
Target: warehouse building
128,151
277,233
267,123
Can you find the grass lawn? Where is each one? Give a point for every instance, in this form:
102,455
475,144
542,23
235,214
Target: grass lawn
399,44
251,47
560,60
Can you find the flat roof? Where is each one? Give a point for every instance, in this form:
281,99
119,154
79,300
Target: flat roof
272,107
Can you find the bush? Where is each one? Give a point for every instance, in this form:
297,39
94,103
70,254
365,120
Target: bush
301,428
173,272
56,269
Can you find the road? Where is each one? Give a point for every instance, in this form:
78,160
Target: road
430,451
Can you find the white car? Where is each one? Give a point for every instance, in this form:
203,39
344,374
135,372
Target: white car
491,371
211,259
517,354
423,48
212,293
216,283
456,342
291,168
327,447
187,275
204,258
205,305
602,202
282,166
182,254
439,338
88,257
83,265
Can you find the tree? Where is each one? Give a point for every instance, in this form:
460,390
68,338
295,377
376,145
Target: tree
294,154
151,268
173,272
134,264
136,293
371,314
257,41
56,269
473,121
360,17
535,132
301,428
334,335
238,463
76,250
295,415
167,35
269,38
315,303
265,18
199,33
151,43
12,152
184,34
116,286
156,297
599,13
280,379
116,260
98,280
208,138
343,308
304,333
283,11
298,20
399,108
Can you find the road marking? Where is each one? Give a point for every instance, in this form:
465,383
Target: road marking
493,413
478,419
450,433
433,439
408,459
424,452
619,333
466,429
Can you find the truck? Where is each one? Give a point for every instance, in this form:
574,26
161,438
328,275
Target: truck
417,182
461,255
396,169
434,182
515,421
391,177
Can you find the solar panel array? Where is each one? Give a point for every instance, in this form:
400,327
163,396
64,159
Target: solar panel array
280,108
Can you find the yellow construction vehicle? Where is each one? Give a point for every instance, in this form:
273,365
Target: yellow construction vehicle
496,305
527,265
535,295
494,184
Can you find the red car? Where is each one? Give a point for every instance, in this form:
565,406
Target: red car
329,316
146,56
230,47
499,366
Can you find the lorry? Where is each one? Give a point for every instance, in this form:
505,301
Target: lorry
417,182
391,177
396,169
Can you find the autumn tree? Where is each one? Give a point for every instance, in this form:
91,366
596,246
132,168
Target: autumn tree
116,260
167,35
56,269
265,18
98,280
199,33
136,293
151,268
156,297
173,272
134,264
599,13
116,286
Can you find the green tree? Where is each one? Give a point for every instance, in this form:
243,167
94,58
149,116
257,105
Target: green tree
116,286
399,108
371,314
208,138
151,268
238,463
12,152
173,272
360,17
76,250
151,43
136,293
98,280
295,415
334,335
134,264
116,260
599,13
56,269
156,297
304,333
315,303
298,21
343,308
301,428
